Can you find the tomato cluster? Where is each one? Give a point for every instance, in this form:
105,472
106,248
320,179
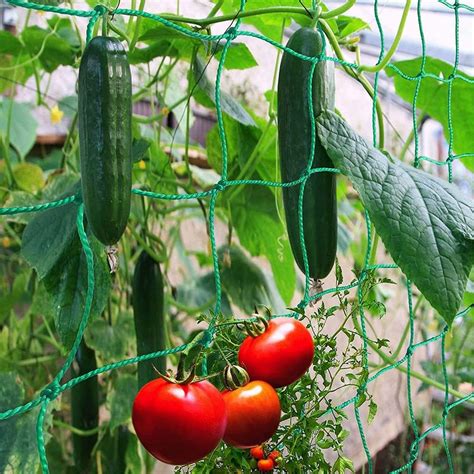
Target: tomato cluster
182,422
265,464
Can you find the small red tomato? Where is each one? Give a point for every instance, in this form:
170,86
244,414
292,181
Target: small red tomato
265,465
253,414
179,424
279,356
257,452
275,456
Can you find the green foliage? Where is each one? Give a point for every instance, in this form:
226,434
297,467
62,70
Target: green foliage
229,105
51,49
426,225
17,122
432,99
120,399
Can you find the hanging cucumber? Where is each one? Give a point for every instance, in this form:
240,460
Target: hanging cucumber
84,408
294,135
105,137
147,298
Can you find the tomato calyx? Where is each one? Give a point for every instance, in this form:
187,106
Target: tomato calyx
182,376
235,377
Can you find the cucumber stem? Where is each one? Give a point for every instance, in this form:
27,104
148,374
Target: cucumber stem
358,76
378,67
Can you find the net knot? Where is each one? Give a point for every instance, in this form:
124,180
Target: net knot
409,351
100,10
414,451
220,186
232,33
51,392
445,412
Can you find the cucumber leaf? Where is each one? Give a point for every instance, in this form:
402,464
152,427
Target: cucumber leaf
229,105
244,282
424,222
238,56
432,99
67,285
17,121
262,233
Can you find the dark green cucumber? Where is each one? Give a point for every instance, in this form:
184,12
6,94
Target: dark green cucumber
147,297
105,137
294,135
84,408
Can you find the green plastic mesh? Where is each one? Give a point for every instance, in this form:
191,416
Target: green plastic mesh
56,387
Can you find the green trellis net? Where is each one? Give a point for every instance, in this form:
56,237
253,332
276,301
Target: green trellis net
55,388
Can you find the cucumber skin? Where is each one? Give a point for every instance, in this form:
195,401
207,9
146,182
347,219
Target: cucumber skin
147,300
105,137
84,408
294,132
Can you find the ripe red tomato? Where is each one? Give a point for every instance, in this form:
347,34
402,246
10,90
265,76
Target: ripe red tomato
179,424
253,414
257,452
279,356
265,465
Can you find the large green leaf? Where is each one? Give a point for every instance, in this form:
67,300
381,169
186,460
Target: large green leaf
243,280
238,56
426,224
433,99
29,177
20,125
229,105
51,49
201,293
262,233
11,395
67,285
111,341
48,236
120,400
9,44
18,451
240,140
254,213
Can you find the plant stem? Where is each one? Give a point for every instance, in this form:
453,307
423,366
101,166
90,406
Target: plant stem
6,156
396,42
232,16
215,9
75,430
115,29
257,12
339,10
358,76
141,7
150,251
